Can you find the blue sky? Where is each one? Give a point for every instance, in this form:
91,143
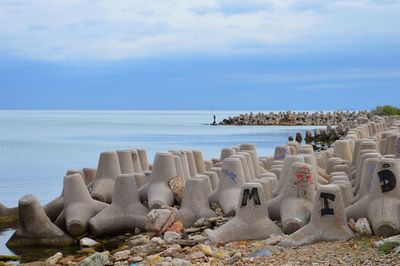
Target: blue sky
166,54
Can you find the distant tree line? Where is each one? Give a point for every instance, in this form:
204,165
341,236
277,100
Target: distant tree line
386,110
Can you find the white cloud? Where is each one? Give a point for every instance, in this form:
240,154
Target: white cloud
120,29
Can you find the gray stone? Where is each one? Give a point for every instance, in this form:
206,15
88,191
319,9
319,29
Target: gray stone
121,255
54,259
97,259
169,236
159,220
362,227
195,255
88,242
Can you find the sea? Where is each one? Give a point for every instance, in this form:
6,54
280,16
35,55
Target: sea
38,147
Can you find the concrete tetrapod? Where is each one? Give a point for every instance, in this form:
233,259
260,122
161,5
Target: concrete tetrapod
195,202
55,207
251,220
328,220
79,207
286,168
382,204
229,186
35,228
125,212
107,171
158,191
294,205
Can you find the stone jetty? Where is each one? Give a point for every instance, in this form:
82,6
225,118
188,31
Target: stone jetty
241,207
292,118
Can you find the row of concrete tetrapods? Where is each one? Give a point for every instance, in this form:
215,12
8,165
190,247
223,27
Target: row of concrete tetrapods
313,194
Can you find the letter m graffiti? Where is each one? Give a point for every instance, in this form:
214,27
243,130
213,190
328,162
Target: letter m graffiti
248,195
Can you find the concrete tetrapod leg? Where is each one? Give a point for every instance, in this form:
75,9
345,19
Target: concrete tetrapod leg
158,191
358,175
89,175
107,171
246,169
199,161
255,162
229,186
54,208
281,152
251,220
8,215
347,192
328,220
125,212
144,163
294,205
191,163
250,164
226,153
382,204
125,162
79,207
272,178
286,168
137,167
184,162
179,169
195,202
367,173
35,228
141,179
214,179
343,150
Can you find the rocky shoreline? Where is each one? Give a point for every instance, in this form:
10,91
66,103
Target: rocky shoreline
292,118
239,209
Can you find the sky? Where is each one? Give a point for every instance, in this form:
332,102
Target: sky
199,54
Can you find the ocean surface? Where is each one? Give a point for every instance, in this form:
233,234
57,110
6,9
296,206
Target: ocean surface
38,147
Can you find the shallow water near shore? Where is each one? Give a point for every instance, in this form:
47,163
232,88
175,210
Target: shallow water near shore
38,147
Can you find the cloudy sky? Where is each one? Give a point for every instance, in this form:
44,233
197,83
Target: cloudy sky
199,54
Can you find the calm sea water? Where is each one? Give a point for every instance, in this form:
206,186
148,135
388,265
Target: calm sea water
37,147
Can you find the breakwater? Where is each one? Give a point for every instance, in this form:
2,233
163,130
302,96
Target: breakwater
187,205
292,118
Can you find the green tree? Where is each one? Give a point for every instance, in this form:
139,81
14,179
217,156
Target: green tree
386,110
